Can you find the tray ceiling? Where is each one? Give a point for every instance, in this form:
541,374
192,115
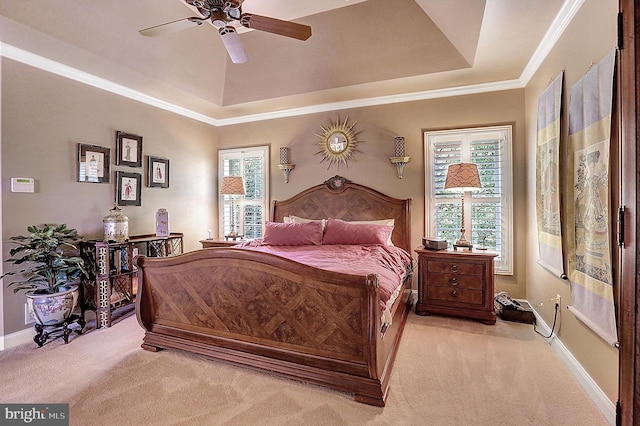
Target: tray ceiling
361,51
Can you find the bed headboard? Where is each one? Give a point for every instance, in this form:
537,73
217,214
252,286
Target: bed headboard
339,198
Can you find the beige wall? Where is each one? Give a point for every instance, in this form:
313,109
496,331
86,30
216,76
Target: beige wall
378,125
590,36
45,116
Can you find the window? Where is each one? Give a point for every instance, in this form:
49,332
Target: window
488,212
249,211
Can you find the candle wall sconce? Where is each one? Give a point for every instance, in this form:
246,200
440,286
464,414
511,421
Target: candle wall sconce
285,162
399,159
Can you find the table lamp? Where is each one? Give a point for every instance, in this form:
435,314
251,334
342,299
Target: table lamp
463,176
232,185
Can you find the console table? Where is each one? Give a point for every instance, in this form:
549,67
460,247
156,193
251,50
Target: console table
112,281
158,246
457,283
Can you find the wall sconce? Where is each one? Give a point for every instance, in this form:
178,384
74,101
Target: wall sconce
285,162
400,160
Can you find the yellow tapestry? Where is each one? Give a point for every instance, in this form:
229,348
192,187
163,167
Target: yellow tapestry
550,254
590,269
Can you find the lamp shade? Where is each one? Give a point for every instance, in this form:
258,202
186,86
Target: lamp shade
232,185
463,176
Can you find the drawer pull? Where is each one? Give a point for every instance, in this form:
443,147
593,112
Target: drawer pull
454,268
454,293
454,281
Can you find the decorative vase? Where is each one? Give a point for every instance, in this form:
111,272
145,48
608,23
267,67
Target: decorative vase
116,226
53,309
162,223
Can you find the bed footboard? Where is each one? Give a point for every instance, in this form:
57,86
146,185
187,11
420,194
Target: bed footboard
270,313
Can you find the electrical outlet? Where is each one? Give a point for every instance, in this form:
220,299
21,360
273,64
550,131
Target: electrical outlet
557,300
28,315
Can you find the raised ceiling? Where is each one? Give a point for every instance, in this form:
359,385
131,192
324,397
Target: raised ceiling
361,51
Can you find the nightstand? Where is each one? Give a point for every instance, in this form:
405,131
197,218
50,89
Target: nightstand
219,243
457,283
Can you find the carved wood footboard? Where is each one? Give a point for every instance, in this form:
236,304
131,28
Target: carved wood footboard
266,312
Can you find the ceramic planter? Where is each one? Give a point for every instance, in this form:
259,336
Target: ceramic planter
53,309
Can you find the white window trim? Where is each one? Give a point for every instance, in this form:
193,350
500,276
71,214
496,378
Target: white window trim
235,153
506,266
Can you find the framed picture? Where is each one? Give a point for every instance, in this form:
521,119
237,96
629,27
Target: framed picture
128,149
93,163
158,172
128,189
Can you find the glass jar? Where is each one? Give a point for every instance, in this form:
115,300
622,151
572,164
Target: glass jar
116,226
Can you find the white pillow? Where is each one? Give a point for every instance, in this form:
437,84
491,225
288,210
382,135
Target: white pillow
298,219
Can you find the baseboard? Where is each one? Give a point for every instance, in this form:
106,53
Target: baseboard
17,338
602,401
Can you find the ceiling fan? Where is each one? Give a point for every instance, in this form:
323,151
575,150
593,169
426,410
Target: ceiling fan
226,16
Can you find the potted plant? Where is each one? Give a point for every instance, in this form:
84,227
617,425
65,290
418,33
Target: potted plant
50,267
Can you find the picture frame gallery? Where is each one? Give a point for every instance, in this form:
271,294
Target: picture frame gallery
94,166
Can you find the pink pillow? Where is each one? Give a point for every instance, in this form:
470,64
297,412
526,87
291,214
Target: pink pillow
293,234
340,232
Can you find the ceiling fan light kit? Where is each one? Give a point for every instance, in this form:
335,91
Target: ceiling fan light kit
226,16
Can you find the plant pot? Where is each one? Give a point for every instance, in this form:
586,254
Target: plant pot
53,309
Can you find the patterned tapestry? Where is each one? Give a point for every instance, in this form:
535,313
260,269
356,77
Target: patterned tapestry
590,269
548,178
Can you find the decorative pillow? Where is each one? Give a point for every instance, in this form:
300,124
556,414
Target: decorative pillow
293,234
340,232
387,222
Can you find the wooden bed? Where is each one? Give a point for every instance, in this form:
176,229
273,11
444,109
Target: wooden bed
270,313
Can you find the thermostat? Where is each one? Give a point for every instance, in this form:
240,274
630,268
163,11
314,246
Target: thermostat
22,185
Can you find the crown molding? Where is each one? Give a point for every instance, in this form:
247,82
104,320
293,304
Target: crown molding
379,100
49,65
558,26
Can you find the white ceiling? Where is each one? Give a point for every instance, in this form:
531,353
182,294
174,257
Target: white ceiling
362,52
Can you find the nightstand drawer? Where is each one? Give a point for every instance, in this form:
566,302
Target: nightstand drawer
454,267
455,281
456,295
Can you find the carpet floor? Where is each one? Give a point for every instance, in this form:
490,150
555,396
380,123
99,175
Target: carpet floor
448,372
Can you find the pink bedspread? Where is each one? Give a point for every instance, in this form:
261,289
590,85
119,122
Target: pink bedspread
388,262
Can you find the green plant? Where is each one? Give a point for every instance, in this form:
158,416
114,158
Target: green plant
48,256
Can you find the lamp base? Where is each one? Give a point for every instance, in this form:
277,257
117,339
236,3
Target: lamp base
463,243
468,247
233,237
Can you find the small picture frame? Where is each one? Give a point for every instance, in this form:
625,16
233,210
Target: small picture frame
128,189
93,163
158,172
128,149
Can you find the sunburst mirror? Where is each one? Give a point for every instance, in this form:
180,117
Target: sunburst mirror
338,142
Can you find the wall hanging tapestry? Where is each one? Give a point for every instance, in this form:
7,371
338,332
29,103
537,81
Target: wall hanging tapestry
550,253
590,269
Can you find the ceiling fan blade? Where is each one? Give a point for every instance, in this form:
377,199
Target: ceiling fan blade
233,45
170,27
276,26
